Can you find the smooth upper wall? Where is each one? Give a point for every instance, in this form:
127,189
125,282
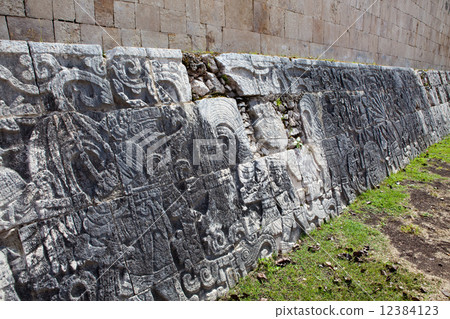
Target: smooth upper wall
413,33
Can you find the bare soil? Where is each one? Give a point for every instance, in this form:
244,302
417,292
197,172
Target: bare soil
427,248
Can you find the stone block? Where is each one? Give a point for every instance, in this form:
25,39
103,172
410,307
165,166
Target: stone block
130,37
12,8
367,20
147,17
364,42
111,38
193,10
4,35
173,21
212,12
84,11
152,39
81,65
373,43
277,21
241,41
158,3
198,43
306,28
67,32
268,127
104,12
30,29
312,8
91,34
331,33
273,45
168,75
124,15
239,14
18,89
331,11
175,5
281,46
197,29
375,25
40,9
318,31
315,49
296,6
64,10
214,38
180,41
292,25
270,78
261,17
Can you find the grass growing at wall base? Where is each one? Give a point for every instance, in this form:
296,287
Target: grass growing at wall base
349,258
334,272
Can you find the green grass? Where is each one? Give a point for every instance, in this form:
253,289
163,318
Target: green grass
410,229
322,275
278,102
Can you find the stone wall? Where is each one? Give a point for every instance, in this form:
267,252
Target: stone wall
411,33
115,184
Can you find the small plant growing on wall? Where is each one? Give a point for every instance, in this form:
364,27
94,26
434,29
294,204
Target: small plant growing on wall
298,143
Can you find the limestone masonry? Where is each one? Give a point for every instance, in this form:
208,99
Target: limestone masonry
410,33
146,174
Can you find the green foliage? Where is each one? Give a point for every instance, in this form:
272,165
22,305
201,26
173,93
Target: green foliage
225,78
321,275
278,102
411,229
298,143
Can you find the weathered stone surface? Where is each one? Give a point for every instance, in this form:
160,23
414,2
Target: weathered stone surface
67,32
269,130
41,9
30,29
91,34
147,17
180,41
124,15
137,82
12,7
104,12
111,38
199,88
84,11
240,40
153,39
131,37
212,12
254,75
114,185
239,15
19,92
173,21
64,10
4,34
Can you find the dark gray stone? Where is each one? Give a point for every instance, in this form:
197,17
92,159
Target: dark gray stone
116,186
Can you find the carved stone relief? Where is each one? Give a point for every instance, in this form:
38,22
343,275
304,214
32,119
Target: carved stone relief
115,185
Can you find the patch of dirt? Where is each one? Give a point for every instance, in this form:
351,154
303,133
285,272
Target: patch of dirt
438,167
427,250
430,255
